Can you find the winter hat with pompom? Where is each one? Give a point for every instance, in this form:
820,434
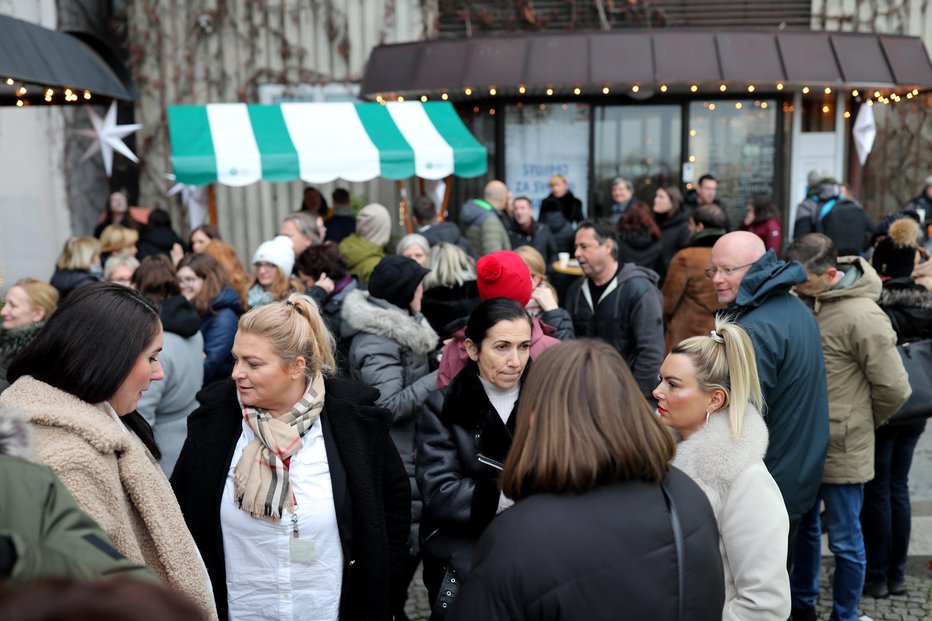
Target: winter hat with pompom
895,254
504,274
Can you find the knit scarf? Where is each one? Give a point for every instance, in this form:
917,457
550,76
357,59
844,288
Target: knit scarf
260,483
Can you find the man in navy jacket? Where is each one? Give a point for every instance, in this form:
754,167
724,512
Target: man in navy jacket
755,286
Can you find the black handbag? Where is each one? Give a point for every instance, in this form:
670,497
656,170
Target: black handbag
917,359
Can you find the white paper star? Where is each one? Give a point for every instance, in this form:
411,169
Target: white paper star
109,137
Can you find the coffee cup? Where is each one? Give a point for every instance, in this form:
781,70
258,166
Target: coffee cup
564,258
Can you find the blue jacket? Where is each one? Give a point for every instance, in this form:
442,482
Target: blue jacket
219,327
792,376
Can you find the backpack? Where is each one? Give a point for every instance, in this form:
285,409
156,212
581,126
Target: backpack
845,222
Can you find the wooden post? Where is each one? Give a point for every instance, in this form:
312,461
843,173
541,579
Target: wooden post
212,204
447,184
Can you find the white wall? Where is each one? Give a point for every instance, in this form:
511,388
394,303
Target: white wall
34,220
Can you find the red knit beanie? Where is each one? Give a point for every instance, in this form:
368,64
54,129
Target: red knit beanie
504,274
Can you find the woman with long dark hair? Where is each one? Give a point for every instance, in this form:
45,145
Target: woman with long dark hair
79,382
764,220
463,436
672,217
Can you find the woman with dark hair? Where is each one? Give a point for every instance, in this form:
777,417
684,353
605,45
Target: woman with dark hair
327,281
289,479
203,235
603,528
79,382
166,405
763,219
117,212
463,436
158,237
672,217
203,282
639,239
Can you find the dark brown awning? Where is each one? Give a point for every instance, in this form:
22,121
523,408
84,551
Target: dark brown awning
677,58
36,56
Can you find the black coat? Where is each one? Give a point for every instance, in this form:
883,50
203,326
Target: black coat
370,490
639,247
66,281
448,232
460,493
607,555
540,239
442,306
675,231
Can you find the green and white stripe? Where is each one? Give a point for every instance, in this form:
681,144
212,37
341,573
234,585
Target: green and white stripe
239,144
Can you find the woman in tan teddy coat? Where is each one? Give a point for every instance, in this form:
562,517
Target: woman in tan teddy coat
79,382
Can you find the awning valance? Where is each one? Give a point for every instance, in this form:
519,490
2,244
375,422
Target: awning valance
592,63
239,144
33,55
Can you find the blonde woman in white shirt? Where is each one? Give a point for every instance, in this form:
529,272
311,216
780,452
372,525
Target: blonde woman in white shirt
289,481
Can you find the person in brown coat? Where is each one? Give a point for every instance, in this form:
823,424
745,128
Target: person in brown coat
689,299
78,383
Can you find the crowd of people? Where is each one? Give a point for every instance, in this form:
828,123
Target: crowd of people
662,424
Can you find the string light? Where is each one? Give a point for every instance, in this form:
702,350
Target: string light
401,99
663,88
19,103
605,90
693,88
828,91
491,111
779,86
711,106
825,109
751,88
577,91
468,91
854,93
692,133
21,91
9,81
805,90
915,92
444,97
723,88
521,89
423,98
738,106
692,158
635,88
909,95
847,114
549,92
492,91
877,94
763,105
870,102
379,99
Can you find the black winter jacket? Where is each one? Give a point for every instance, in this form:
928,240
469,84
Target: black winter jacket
629,317
459,492
605,555
370,490
540,239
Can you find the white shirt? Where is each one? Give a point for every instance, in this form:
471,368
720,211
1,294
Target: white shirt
502,399
263,579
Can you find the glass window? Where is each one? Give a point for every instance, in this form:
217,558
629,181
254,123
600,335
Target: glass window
734,140
543,140
639,143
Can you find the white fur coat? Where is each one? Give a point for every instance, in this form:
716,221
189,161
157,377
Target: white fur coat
752,520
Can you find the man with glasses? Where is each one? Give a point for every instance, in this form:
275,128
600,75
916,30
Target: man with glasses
755,287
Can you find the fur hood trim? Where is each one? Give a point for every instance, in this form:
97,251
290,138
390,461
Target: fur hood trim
15,434
714,458
364,313
915,295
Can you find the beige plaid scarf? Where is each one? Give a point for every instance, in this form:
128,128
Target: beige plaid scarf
260,482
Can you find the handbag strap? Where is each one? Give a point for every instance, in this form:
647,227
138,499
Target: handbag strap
678,546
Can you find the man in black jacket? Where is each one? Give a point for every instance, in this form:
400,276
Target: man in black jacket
620,304
524,230
424,214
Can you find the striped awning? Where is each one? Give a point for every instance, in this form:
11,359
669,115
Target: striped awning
239,144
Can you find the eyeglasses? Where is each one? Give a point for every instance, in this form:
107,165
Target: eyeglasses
727,271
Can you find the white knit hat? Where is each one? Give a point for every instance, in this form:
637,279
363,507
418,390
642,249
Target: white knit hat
278,251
